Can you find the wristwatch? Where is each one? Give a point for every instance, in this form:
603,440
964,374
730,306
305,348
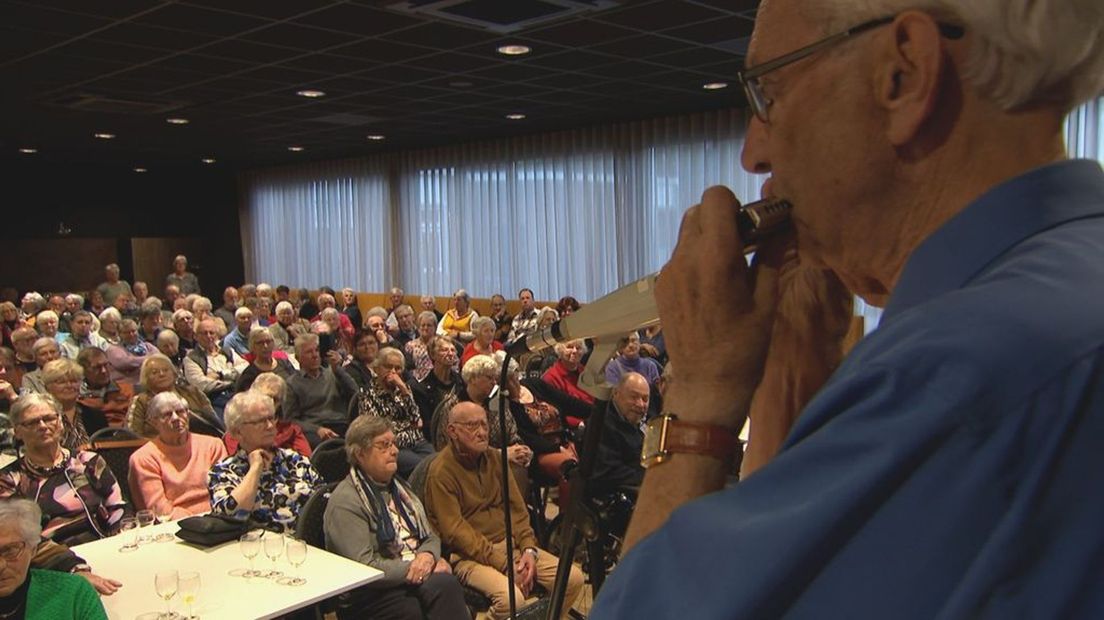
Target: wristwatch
667,435
81,568
533,551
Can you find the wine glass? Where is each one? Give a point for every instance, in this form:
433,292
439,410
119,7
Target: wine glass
127,530
250,545
145,519
296,555
273,548
166,583
163,514
189,590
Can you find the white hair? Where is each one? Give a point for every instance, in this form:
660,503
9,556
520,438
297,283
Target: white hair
74,298
283,305
1024,52
25,517
111,313
243,402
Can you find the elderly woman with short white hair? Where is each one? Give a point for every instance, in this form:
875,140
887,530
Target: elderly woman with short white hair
484,344
32,593
45,350
388,396
168,474
110,319
46,322
76,490
261,481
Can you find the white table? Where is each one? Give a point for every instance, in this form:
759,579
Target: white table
221,595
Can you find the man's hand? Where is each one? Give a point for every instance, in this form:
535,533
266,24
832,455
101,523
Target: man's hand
7,391
442,567
325,433
420,568
103,585
334,358
525,569
718,363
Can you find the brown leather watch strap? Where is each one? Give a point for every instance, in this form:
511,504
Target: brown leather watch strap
708,439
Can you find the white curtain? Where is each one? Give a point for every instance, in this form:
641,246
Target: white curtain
1085,131
328,223
571,213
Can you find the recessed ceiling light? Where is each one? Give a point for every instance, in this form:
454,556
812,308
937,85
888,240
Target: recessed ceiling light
377,137
715,85
103,136
515,117
295,149
514,50
26,151
461,84
208,160
176,121
311,93
140,170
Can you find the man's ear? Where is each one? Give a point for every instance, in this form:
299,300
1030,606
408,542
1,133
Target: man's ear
909,69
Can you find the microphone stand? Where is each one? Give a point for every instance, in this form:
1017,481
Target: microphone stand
502,405
578,519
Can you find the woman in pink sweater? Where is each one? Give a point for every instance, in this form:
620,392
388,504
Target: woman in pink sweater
168,475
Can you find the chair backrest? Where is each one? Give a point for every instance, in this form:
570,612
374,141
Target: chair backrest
308,526
418,476
111,433
330,461
117,454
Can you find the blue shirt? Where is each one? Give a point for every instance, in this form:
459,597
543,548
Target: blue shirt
236,342
951,467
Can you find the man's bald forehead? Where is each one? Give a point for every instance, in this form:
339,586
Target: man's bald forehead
463,412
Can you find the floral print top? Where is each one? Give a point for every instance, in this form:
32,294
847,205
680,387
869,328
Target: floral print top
283,489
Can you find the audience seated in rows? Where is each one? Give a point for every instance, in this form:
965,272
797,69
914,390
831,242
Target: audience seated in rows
374,517
168,474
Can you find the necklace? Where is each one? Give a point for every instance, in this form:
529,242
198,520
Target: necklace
12,612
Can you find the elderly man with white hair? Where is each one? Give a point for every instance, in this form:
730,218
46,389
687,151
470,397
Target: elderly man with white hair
45,351
112,286
238,338
950,466
267,484
318,395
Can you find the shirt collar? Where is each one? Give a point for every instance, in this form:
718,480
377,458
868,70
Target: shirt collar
998,220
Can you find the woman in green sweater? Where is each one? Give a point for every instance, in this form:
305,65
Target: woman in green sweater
34,594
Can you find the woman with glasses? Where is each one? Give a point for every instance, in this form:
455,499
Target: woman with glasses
63,380
374,517
76,490
159,375
388,396
484,344
260,481
168,475
288,434
33,593
420,349
265,358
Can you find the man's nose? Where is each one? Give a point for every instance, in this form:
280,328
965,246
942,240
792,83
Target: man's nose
754,157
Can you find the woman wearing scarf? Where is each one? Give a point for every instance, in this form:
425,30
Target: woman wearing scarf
374,518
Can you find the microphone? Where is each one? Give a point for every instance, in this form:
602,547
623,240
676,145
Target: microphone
633,306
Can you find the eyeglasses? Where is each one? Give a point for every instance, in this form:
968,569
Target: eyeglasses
473,425
48,420
11,553
384,445
749,78
66,380
262,421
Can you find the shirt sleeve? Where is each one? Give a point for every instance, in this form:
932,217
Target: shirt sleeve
443,506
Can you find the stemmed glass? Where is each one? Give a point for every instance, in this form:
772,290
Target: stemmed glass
166,583
273,548
189,590
163,514
145,519
250,545
296,555
127,529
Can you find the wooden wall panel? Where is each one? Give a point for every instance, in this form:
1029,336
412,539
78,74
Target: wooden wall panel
56,265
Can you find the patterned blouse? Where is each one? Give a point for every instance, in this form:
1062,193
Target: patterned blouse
283,489
397,406
68,493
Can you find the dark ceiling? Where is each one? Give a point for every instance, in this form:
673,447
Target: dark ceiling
72,68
